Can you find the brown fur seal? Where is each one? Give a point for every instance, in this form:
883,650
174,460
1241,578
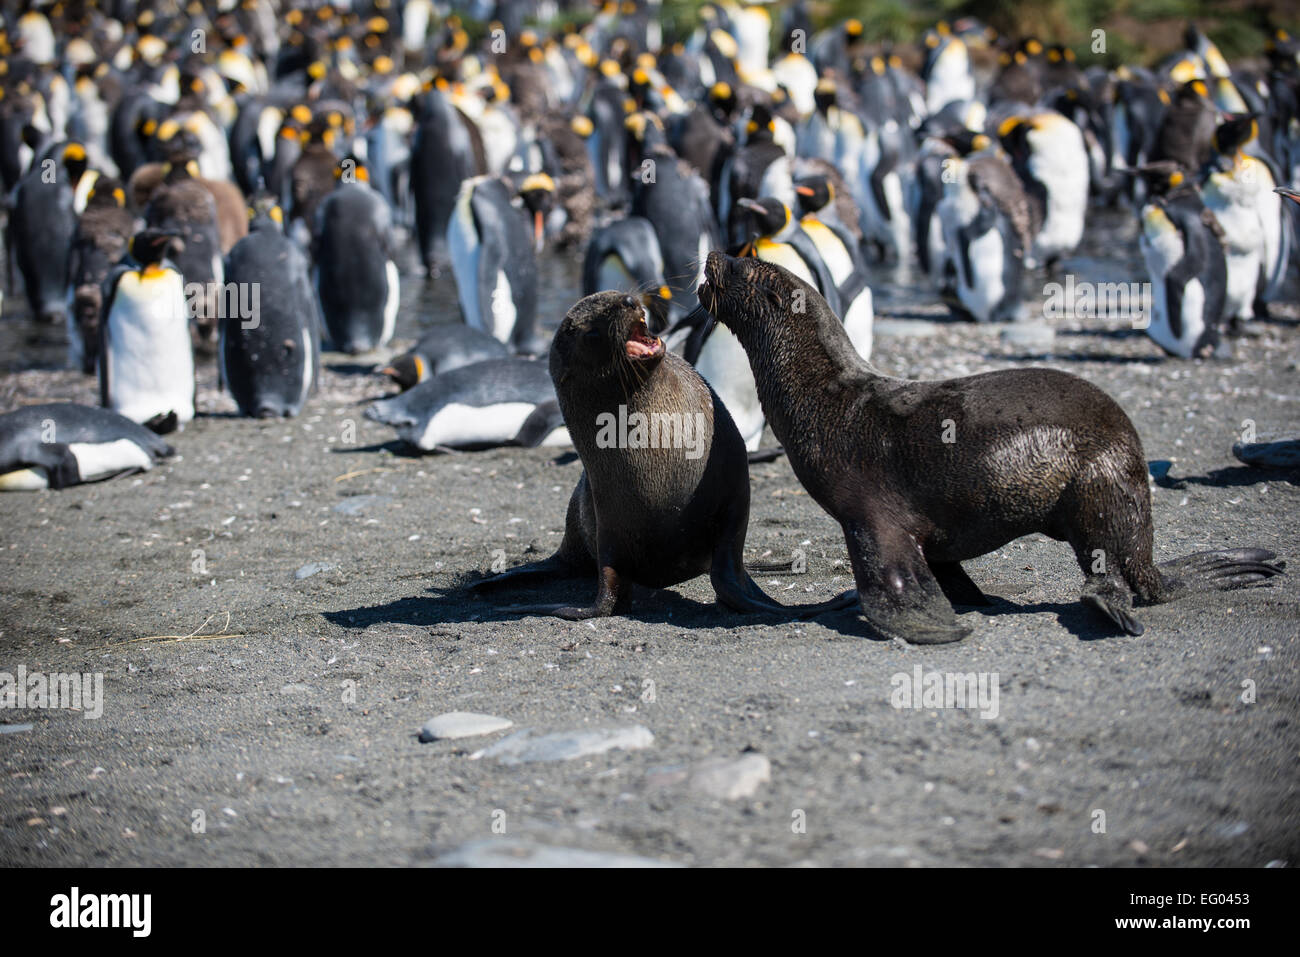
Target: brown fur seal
925,475
654,516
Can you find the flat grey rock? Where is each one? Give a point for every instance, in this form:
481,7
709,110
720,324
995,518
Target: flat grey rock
508,852
1036,335
312,568
730,779
461,724
904,328
358,504
14,728
524,746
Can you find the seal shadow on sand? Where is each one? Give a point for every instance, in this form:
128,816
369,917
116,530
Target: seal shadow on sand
451,605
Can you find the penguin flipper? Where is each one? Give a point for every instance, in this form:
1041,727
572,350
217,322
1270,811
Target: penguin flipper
105,336
541,422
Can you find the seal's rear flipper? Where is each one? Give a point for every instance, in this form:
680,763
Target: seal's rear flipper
759,456
1269,455
554,568
1221,570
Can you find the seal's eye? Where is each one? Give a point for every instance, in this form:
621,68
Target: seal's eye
629,301
592,332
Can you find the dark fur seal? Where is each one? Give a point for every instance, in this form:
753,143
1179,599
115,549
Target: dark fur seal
1026,450
654,516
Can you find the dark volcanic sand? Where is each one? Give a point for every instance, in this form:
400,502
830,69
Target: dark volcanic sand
253,730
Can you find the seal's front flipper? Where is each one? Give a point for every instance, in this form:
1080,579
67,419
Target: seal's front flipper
737,591
1221,570
900,596
957,586
1113,601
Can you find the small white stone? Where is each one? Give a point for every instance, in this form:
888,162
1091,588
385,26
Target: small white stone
461,724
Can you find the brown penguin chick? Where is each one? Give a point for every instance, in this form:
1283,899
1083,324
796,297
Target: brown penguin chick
185,208
313,174
923,476
103,231
1187,133
664,503
1019,81
232,218
572,174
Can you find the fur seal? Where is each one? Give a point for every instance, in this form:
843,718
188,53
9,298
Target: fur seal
1027,450
659,513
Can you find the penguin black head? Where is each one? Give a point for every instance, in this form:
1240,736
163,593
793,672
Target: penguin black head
150,247
722,100
769,215
1234,133
646,130
407,370
1014,134
761,125
75,161
538,194
824,94
814,192
1164,177
966,141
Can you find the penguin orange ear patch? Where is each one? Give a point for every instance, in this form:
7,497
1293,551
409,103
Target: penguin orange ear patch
1175,178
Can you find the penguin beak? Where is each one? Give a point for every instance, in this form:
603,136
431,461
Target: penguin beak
539,229
1291,194
804,191
752,205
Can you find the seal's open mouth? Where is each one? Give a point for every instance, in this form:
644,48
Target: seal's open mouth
642,345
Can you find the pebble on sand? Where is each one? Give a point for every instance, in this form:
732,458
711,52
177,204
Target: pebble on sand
461,724
523,747
508,852
312,568
729,779
14,728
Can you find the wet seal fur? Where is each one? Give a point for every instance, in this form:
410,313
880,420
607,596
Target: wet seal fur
1031,450
651,516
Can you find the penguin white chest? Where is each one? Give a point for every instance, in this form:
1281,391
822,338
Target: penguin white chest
150,360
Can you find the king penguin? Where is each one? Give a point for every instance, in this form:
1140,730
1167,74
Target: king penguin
146,361
1182,244
1238,189
42,220
356,278
446,346
492,258
270,359
842,257
61,444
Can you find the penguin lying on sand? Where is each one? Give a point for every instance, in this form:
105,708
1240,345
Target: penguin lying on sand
57,445
498,402
443,348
